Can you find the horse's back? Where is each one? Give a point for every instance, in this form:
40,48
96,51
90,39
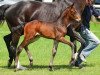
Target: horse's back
31,10
46,29
22,6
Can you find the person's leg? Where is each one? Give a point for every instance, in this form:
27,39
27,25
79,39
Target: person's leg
91,42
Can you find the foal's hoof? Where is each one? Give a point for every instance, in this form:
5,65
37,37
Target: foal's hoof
31,64
50,68
72,63
15,70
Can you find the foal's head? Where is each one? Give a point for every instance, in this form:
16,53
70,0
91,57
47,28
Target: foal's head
71,14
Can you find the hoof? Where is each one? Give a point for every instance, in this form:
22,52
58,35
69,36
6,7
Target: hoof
31,64
17,69
20,68
72,63
78,65
9,63
50,68
30,67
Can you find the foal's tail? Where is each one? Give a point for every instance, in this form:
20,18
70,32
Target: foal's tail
3,9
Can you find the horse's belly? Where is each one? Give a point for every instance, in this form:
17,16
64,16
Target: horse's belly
47,31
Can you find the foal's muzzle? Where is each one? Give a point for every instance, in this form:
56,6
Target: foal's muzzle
78,20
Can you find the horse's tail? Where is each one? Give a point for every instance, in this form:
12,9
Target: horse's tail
3,9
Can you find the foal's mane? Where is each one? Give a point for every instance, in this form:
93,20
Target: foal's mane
65,12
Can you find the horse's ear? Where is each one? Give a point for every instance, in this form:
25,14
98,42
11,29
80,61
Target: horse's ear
72,6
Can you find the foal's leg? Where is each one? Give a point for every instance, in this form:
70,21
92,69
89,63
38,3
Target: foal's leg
24,44
29,55
63,40
18,51
54,50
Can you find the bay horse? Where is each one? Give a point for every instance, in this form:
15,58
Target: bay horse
18,14
52,30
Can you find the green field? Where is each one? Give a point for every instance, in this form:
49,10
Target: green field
41,52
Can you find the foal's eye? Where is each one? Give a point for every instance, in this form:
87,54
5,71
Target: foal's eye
74,12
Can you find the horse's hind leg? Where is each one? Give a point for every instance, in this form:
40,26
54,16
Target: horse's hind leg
8,39
14,43
54,50
11,41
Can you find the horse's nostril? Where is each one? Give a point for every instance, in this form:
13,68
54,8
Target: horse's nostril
78,20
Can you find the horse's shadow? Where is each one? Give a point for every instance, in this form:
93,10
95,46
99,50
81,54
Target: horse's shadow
55,67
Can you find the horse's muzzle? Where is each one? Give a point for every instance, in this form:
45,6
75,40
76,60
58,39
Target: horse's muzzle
78,20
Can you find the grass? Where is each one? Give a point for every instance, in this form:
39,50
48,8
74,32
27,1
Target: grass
41,52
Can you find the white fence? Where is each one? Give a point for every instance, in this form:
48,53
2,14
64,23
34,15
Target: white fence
2,2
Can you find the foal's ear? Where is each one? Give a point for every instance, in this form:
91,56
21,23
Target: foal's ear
71,6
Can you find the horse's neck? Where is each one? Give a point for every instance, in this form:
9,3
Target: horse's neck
4,7
63,21
63,4
80,4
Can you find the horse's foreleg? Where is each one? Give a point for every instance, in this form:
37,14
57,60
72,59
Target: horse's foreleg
72,39
8,39
82,41
29,55
54,50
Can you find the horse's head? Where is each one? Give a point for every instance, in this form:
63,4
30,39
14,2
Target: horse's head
72,13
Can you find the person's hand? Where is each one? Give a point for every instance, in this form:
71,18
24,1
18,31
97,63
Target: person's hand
98,17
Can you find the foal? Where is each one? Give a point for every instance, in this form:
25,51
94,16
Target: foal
52,30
